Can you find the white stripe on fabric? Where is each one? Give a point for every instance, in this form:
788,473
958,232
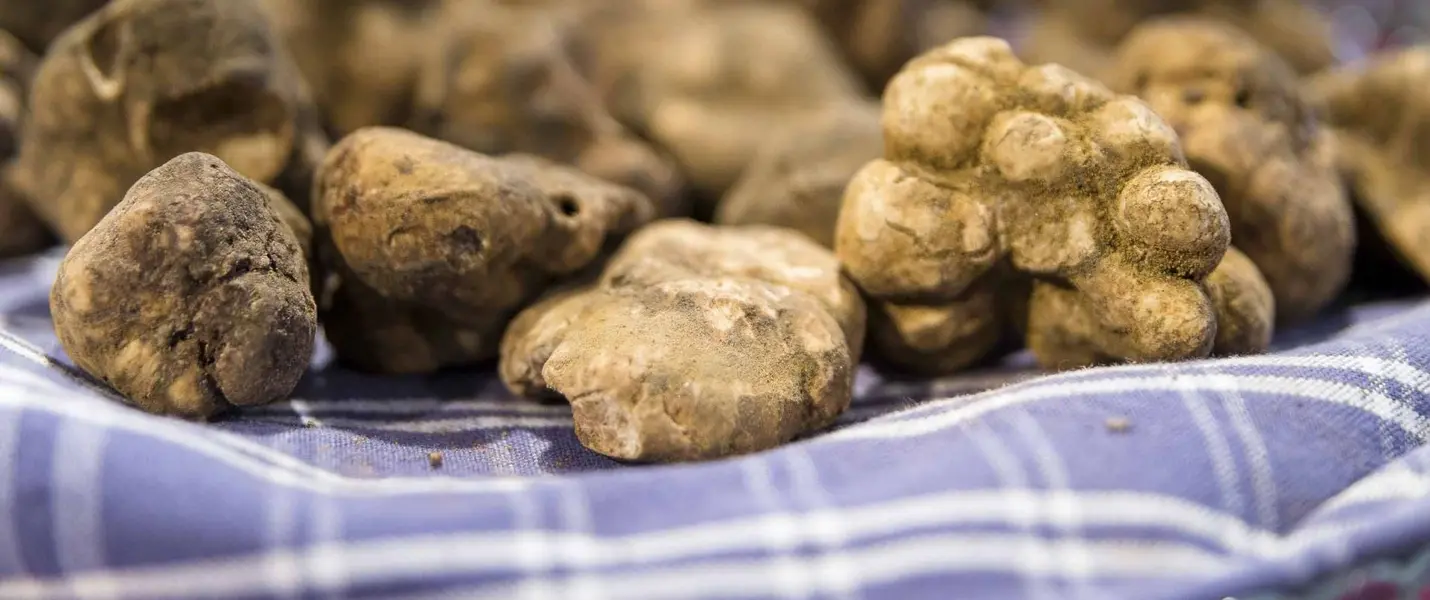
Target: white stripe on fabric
386,560
1405,374
404,406
1023,516
838,573
1401,414
1396,482
284,577
11,559
783,533
76,493
1062,514
1217,447
891,561
438,426
576,518
904,559
1263,480
262,462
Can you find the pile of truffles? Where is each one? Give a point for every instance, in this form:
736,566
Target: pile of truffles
684,217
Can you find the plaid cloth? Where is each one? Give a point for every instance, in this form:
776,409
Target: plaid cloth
1248,477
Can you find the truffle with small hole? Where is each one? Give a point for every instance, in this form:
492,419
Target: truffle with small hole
429,248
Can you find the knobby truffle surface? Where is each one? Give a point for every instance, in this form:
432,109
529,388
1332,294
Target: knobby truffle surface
696,342
1245,306
797,178
191,296
440,246
1380,115
1244,125
142,81
1006,188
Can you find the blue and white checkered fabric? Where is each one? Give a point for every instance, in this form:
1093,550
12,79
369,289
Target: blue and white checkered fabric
1240,477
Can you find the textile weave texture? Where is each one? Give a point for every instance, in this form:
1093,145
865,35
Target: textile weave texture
1276,476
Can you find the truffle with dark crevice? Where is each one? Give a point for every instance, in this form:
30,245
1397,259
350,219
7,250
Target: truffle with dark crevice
191,296
142,81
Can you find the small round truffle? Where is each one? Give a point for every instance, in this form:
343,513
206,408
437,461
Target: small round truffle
1004,185
696,343
191,296
1244,125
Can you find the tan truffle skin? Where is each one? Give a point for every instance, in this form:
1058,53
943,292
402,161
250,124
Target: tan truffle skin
797,178
503,81
142,81
37,23
191,296
1083,35
994,172
1380,114
879,36
710,83
20,231
1245,306
439,246
1244,125
697,343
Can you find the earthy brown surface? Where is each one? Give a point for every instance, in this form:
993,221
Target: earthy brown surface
142,81
1244,125
797,178
434,246
711,82
999,178
503,80
879,36
38,22
1380,114
191,296
20,231
360,57
696,343
1245,306
1083,34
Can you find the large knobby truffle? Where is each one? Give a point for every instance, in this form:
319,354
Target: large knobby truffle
1244,125
711,82
1380,113
1009,189
696,343
191,296
797,178
142,81
503,80
439,246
